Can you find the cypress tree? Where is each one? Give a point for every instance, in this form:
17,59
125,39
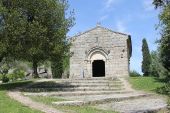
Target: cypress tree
146,58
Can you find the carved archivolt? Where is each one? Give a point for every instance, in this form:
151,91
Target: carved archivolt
97,53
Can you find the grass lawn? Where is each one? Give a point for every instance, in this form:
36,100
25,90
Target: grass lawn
8,105
146,83
68,109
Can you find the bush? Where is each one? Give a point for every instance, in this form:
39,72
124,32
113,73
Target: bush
134,74
17,73
164,90
0,77
5,79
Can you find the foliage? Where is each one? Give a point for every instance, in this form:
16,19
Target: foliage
134,74
160,3
57,68
0,77
164,90
164,42
60,67
146,58
11,70
146,83
17,74
32,32
5,66
156,67
5,79
66,66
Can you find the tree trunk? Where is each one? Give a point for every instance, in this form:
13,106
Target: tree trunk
35,73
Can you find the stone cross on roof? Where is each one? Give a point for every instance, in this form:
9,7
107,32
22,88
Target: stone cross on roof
98,24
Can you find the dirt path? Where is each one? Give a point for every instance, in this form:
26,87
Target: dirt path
16,95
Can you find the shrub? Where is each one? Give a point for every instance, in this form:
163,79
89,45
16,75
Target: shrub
5,79
17,73
0,77
164,90
134,74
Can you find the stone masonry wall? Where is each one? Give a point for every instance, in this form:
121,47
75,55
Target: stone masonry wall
113,44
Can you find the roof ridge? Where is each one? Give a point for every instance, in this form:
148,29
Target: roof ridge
98,26
114,31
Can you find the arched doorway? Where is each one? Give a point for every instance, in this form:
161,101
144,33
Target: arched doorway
98,68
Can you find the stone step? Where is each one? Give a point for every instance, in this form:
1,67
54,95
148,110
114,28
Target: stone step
77,93
96,84
72,89
52,83
97,99
91,81
94,78
75,85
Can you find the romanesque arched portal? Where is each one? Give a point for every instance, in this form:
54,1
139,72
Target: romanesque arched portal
98,60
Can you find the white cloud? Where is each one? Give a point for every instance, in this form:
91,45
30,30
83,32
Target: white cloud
148,6
109,3
120,26
104,17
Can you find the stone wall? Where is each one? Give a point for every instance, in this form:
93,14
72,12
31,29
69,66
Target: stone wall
101,44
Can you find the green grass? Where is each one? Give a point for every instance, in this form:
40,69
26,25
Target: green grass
68,109
146,83
8,105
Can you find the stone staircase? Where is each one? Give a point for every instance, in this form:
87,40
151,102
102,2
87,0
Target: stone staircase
83,91
95,91
95,85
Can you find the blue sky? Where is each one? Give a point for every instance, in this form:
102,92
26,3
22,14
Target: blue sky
137,18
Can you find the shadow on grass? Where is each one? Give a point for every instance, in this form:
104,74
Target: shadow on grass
30,86
14,85
163,80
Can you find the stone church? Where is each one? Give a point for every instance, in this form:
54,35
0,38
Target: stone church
100,52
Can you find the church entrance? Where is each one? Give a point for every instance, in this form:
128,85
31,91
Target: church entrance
98,68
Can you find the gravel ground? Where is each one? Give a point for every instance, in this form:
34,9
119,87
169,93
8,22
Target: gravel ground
141,105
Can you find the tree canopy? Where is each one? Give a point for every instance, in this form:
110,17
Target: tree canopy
34,30
164,42
160,3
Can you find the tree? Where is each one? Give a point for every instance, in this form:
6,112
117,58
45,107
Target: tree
161,3
32,32
57,68
146,58
164,42
156,67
